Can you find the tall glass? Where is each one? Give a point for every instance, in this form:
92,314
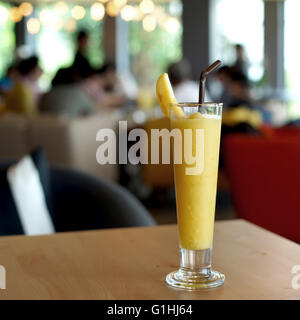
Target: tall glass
196,187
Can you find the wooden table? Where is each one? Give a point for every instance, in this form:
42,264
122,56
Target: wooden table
132,264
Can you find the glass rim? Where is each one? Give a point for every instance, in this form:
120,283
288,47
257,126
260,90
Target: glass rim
196,104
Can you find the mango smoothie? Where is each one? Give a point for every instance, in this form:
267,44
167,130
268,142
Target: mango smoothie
196,129
196,194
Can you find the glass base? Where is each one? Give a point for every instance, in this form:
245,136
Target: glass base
194,280
195,271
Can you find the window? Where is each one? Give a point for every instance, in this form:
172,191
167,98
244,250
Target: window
237,21
291,55
55,43
7,43
152,51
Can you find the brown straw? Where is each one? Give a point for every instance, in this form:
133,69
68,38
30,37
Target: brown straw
205,73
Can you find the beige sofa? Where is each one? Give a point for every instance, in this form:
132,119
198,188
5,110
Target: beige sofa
67,142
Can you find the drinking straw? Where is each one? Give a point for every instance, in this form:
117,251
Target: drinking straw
205,73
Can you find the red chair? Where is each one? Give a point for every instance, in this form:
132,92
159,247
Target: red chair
288,132
264,179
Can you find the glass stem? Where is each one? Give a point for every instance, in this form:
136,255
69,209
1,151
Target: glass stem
196,261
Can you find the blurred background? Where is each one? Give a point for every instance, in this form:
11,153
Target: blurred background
70,68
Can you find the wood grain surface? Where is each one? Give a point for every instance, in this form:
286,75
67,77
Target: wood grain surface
132,264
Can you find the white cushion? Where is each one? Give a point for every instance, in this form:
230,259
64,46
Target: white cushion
27,192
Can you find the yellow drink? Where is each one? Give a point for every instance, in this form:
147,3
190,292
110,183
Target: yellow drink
196,129
196,194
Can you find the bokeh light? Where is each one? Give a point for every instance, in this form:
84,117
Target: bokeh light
147,6
78,12
33,25
26,9
120,3
15,14
149,23
44,16
61,7
128,13
112,9
138,14
4,14
70,25
97,11
172,25
48,17
160,15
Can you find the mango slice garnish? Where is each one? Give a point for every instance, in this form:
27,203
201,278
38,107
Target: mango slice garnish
166,97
